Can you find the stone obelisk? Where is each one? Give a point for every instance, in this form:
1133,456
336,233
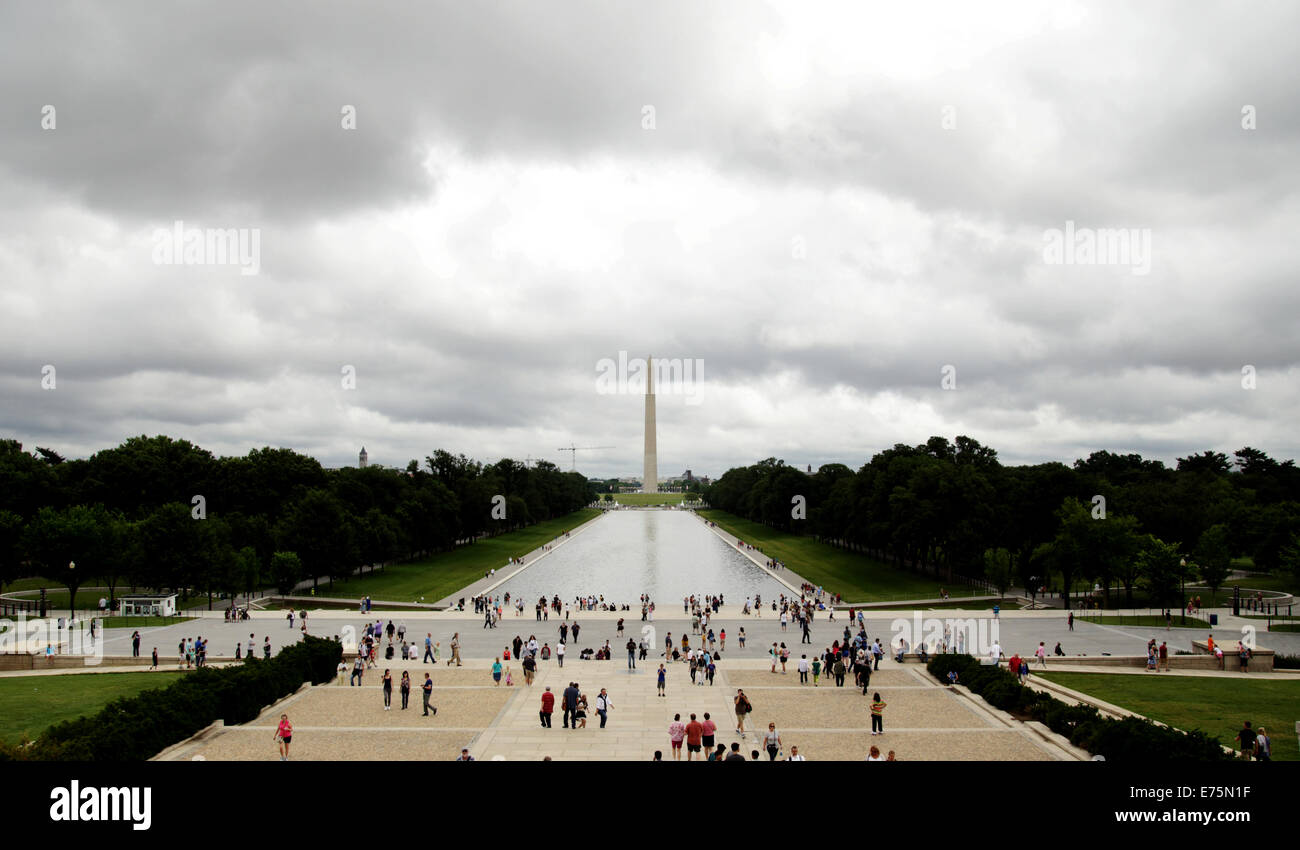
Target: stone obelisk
650,470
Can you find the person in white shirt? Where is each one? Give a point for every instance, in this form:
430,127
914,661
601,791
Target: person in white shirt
603,705
803,669
794,755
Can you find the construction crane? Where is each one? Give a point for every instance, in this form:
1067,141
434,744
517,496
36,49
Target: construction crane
573,450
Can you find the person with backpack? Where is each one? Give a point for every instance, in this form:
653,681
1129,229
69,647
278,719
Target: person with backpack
743,707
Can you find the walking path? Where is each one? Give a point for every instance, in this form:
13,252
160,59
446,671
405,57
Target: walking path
923,720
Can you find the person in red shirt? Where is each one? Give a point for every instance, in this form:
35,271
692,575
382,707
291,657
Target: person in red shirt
694,734
709,729
283,735
548,708
1014,666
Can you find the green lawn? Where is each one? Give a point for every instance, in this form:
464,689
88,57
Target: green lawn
141,622
1284,584
647,498
1216,705
1143,620
857,577
444,574
983,605
30,704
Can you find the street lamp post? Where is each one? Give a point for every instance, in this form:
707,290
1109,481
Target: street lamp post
72,597
1182,591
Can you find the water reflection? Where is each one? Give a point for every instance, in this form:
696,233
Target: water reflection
668,554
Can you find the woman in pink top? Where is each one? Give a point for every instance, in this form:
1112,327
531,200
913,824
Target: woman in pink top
676,732
284,734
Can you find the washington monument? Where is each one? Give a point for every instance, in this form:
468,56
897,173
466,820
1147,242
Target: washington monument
650,470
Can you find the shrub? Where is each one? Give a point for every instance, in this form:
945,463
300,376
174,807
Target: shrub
139,727
1286,662
1128,740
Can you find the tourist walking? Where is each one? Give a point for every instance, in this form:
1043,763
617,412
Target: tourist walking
708,729
427,688
631,654
772,740
877,715
694,738
603,705
405,689
803,669
548,708
663,675
283,736
743,707
1263,745
559,653
676,732
388,690
455,649
571,705
496,672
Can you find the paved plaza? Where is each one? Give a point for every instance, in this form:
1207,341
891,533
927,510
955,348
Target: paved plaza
1019,631
923,720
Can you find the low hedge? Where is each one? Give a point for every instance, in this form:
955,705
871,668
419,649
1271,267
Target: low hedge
1286,662
1128,740
139,727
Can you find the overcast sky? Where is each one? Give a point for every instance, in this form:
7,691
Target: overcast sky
825,204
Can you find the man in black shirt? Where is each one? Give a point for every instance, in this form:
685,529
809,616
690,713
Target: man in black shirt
1247,738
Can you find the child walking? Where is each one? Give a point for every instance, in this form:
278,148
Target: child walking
877,715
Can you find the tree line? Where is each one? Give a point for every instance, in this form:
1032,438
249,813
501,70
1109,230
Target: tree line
951,508
165,514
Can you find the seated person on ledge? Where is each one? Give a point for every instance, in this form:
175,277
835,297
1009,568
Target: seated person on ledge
952,677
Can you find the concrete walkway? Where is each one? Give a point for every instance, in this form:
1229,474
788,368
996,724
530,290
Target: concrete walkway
924,721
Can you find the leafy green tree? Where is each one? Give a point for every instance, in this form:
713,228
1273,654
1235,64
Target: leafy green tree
11,546
286,570
249,567
997,569
172,550
1164,571
322,534
70,545
1214,557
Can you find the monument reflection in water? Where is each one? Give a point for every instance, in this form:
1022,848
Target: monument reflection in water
667,554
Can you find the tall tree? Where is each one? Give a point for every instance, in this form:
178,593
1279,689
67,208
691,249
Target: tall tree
1214,557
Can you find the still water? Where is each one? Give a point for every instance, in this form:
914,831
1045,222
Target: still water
667,554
